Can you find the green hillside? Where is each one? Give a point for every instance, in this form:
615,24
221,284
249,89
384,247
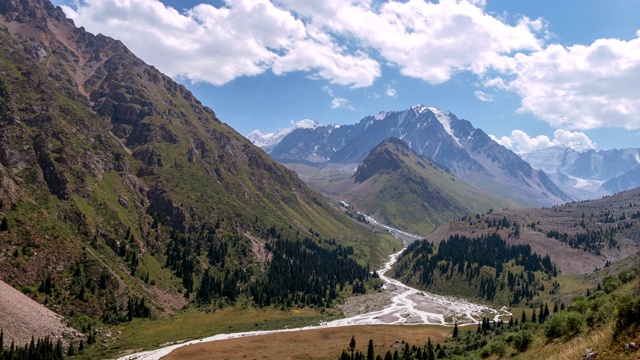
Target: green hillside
121,192
409,192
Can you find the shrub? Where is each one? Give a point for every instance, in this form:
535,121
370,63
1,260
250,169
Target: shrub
628,275
565,323
628,313
610,283
499,347
522,340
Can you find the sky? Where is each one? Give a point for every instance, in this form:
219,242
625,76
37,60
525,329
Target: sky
531,74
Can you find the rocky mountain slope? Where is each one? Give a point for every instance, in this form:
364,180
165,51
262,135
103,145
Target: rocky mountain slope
400,188
588,174
468,153
118,185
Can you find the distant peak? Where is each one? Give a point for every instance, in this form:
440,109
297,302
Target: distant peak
420,108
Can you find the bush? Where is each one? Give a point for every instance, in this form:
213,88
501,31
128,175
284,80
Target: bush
522,340
628,275
610,283
628,313
579,306
499,347
564,323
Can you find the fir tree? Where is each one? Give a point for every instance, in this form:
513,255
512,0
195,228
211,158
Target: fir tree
455,331
4,226
370,351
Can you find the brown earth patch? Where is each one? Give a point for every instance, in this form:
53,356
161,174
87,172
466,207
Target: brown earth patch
312,344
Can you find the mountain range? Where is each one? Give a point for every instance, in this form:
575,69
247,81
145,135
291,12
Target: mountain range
452,143
588,174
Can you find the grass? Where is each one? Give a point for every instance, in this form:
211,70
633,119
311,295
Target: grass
313,344
190,324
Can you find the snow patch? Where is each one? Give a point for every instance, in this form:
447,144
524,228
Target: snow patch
586,183
381,115
266,140
444,117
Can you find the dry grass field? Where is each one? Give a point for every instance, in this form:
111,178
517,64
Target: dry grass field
312,344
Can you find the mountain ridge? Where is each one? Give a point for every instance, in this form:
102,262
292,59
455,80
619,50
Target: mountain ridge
455,144
589,173
410,192
119,185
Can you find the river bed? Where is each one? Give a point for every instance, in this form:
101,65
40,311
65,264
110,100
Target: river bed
399,304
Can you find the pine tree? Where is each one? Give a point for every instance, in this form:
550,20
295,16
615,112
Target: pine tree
533,316
370,351
4,226
352,343
524,317
72,350
455,331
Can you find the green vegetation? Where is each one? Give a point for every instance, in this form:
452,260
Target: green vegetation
42,349
404,190
138,202
485,267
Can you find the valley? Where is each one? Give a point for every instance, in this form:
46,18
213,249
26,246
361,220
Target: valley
396,304
136,224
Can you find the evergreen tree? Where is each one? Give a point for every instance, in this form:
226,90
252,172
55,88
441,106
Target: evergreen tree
533,316
352,344
523,319
370,351
4,226
455,331
72,350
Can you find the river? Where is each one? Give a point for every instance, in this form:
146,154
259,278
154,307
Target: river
408,306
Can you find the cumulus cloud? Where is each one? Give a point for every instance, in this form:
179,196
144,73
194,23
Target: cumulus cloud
218,44
579,87
333,39
428,41
344,43
520,142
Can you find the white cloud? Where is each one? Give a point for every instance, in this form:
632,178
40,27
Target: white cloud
482,96
580,87
339,102
391,92
344,43
217,45
429,41
332,39
520,142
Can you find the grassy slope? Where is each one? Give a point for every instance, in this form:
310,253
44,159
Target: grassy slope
412,193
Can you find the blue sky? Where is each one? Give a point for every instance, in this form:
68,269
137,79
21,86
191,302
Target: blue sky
531,73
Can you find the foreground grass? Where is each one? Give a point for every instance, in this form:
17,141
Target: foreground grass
313,344
141,335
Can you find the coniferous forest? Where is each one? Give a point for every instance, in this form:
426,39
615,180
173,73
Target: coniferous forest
486,263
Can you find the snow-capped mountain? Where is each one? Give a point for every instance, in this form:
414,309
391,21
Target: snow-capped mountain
467,152
267,141
588,174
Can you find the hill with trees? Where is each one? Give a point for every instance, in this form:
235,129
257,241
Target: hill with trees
121,191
